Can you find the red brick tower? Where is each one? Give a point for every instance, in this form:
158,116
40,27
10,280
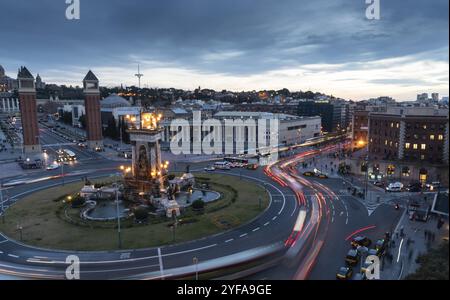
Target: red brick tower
28,111
92,108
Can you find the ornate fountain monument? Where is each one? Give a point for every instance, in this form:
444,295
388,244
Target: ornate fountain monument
147,179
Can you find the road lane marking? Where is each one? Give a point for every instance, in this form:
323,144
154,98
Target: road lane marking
191,250
4,241
242,235
230,240
256,229
400,250
273,219
12,255
267,223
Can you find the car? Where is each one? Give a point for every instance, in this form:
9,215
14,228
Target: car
433,186
252,166
352,257
81,145
394,187
414,187
308,173
381,244
322,176
378,183
360,241
376,252
52,167
98,149
344,273
210,168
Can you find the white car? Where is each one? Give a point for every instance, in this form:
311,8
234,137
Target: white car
209,169
52,167
395,187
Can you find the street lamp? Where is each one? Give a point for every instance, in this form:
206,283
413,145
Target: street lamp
118,216
195,261
1,200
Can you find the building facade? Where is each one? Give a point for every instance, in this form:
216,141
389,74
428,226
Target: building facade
333,113
408,144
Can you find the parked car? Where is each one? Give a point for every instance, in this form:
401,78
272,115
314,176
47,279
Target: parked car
360,241
210,168
322,176
344,273
352,257
308,173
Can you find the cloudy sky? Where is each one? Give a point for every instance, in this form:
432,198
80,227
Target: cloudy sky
319,45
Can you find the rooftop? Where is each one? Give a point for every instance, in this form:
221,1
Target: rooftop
259,115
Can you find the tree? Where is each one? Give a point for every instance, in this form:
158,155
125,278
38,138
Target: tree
141,213
433,265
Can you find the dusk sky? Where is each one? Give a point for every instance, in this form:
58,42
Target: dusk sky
321,45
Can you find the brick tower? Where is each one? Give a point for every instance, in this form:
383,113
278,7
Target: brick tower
28,111
92,108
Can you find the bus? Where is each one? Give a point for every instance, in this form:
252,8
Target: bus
66,155
223,165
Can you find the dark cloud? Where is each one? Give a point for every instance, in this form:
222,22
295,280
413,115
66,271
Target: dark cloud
237,37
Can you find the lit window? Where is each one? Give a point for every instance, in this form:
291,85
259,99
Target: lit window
392,125
415,146
385,142
424,126
407,145
432,137
440,137
398,125
422,157
423,146
390,143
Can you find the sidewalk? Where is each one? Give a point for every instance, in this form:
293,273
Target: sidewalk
418,238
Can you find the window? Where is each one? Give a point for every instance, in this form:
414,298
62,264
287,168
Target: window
424,126
398,125
432,137
423,146
392,125
422,157
415,146
386,142
406,172
440,137
407,145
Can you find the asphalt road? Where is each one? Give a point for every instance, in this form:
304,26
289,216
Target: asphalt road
321,250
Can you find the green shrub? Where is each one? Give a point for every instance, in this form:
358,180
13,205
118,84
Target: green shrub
198,204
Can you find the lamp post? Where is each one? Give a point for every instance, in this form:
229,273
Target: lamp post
118,216
1,200
195,261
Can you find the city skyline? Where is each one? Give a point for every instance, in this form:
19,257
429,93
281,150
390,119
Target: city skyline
325,47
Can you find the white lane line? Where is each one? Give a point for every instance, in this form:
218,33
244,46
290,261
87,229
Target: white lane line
1,252
256,229
4,241
230,240
161,267
191,250
12,255
273,219
242,235
399,250
267,223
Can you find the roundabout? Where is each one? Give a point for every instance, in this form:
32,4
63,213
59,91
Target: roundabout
51,222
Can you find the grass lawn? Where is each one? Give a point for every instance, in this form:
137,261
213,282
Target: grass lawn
44,224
